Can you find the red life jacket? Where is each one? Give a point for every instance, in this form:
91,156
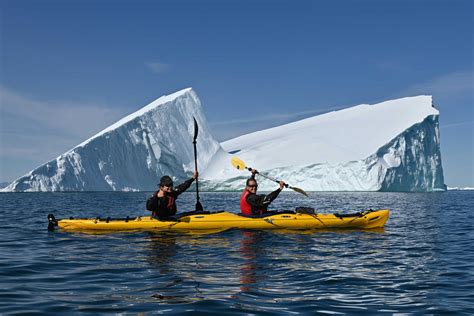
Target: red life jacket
245,207
170,202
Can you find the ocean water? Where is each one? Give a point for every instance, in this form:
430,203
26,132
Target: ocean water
421,263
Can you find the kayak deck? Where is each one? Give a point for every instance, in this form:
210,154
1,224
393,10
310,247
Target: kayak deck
220,221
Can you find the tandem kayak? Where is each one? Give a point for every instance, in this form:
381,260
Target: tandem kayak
220,221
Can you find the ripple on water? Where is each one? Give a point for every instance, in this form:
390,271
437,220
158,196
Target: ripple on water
421,263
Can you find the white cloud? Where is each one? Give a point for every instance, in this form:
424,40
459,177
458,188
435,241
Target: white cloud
452,83
66,117
157,67
457,124
42,130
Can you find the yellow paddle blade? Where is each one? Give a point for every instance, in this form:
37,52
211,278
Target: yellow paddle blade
237,163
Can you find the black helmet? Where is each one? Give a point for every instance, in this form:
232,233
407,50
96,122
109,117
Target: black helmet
166,181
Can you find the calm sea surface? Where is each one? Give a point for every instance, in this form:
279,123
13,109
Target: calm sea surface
421,263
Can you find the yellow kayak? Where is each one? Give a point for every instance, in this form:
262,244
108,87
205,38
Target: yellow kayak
220,221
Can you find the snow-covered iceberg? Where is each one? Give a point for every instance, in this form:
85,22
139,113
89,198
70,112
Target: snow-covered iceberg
390,146
133,153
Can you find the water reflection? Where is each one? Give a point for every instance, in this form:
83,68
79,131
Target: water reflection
187,267
249,249
162,249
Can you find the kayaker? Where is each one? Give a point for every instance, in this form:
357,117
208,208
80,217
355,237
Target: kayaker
253,204
162,203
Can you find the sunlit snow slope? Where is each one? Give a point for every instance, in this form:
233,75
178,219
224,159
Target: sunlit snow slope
390,146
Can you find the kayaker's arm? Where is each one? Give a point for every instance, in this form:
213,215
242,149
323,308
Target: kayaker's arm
183,186
271,196
152,203
261,201
254,172
256,202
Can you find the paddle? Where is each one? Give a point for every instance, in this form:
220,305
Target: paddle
240,165
196,130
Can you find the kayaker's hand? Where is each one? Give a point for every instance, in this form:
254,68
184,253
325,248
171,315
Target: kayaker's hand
254,171
195,175
282,185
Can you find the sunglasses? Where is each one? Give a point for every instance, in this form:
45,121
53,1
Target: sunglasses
253,186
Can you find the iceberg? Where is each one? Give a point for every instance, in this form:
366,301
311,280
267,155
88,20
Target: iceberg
389,146
133,153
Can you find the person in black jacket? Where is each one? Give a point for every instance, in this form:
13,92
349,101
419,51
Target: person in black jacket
253,204
162,203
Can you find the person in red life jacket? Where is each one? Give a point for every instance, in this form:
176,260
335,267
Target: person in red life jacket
253,204
162,203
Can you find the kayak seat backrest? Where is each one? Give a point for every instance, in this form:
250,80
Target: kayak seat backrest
358,214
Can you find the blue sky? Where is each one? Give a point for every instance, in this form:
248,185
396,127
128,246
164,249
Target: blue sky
70,68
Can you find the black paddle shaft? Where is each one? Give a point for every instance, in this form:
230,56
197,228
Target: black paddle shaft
196,131
269,178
